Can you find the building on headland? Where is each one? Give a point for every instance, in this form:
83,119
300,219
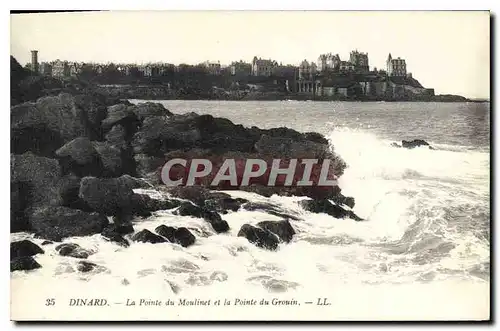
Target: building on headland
307,81
285,71
262,67
241,68
60,68
346,66
328,62
396,67
307,70
45,69
34,61
213,68
360,61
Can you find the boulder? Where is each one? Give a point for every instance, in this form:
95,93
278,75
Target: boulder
325,206
69,188
148,109
36,86
146,236
95,107
19,200
44,126
73,250
112,234
85,266
111,161
17,74
181,236
189,209
122,114
283,229
149,167
259,237
24,263
343,200
167,232
268,208
160,134
213,200
24,248
37,180
122,228
414,143
117,137
115,196
56,223
288,148
80,158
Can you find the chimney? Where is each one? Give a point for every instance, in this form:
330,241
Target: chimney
34,61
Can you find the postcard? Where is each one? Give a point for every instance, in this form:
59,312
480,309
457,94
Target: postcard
250,166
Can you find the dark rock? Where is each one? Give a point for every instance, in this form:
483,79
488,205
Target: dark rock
181,236
149,167
80,150
189,209
123,115
160,134
395,145
85,266
121,227
80,157
37,86
95,107
268,208
147,109
315,137
135,183
222,205
55,223
117,137
44,126
216,201
340,199
19,200
166,231
115,196
17,74
111,234
24,263
283,229
24,248
414,143
47,242
288,148
110,160
73,250
147,236
38,177
325,206
259,237
69,188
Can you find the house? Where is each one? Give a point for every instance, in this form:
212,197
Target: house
262,67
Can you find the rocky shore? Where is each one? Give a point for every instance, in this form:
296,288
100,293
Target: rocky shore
162,92
79,159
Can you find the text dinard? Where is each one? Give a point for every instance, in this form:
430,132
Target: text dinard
187,302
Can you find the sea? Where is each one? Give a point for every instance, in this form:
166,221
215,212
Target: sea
422,253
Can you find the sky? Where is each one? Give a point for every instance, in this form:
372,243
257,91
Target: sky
445,50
